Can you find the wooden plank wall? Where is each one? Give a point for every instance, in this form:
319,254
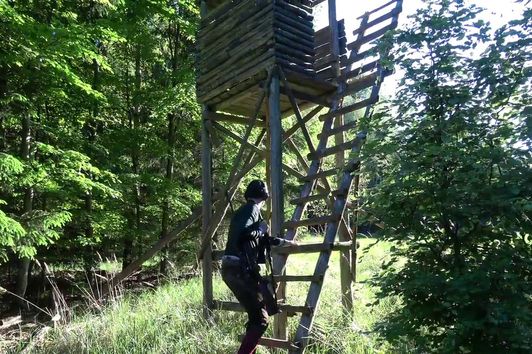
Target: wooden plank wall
294,37
239,40
323,57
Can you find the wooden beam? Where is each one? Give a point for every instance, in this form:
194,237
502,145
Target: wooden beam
276,156
277,343
372,36
206,188
224,117
378,20
351,108
239,139
322,174
297,112
235,306
378,8
159,245
343,128
355,143
304,121
360,70
298,278
335,45
343,234
277,201
292,224
312,247
311,198
300,248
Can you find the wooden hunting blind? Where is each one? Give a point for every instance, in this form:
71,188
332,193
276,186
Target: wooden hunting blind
258,62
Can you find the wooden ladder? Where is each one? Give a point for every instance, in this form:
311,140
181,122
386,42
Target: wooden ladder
365,77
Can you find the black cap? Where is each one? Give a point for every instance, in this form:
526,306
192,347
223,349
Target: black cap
257,189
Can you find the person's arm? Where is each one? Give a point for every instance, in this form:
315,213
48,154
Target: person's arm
253,229
273,240
281,242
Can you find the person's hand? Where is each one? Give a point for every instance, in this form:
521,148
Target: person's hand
287,243
264,228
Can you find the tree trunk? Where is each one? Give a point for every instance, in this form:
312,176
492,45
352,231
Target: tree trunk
173,42
24,262
166,202
90,127
135,163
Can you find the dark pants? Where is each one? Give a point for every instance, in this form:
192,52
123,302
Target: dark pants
246,290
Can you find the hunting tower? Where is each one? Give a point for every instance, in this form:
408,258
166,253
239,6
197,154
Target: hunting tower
259,63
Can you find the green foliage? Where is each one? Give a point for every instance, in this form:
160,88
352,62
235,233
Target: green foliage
99,82
452,157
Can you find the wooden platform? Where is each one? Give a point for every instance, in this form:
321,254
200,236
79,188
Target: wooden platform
242,98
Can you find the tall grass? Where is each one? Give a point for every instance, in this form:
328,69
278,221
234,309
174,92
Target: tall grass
169,319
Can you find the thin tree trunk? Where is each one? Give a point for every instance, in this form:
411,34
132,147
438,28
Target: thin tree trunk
2,133
169,176
90,126
135,163
24,262
174,38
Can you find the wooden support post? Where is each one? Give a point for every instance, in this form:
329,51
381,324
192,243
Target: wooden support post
343,232
206,179
355,230
335,45
206,205
276,176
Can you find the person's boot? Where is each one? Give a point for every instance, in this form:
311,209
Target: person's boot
250,341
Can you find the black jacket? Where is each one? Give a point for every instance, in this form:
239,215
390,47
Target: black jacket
245,239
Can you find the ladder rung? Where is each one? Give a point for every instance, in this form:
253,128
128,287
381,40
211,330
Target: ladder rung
301,248
372,36
369,53
235,306
339,193
360,83
366,14
277,343
309,222
313,248
309,199
334,149
360,70
396,11
340,129
299,278
351,108
321,174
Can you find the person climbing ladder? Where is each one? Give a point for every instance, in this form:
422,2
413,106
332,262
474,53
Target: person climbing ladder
247,242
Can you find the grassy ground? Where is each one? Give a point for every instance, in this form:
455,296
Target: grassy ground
168,320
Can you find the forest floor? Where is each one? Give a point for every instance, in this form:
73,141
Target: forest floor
168,318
